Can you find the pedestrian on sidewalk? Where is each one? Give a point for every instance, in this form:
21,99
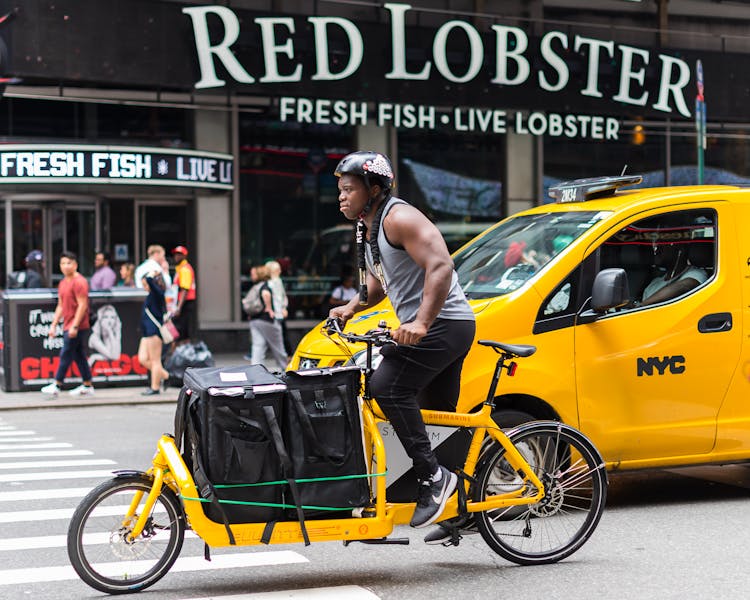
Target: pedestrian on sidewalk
184,282
73,310
104,278
280,300
150,346
265,329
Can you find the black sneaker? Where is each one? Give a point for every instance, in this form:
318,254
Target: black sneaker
150,392
448,533
433,495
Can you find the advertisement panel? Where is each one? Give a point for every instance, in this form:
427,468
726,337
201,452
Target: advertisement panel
30,357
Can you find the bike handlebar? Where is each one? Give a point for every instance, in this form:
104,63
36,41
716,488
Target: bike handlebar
377,337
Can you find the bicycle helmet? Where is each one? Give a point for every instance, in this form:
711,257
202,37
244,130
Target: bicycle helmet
373,167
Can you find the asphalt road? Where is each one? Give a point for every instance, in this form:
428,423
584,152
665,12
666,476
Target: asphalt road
665,534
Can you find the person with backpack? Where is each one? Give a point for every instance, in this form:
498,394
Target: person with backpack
265,329
32,276
251,303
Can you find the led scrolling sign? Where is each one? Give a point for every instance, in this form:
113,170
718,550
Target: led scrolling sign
29,163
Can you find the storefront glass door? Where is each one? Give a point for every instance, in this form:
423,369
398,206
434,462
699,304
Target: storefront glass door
163,224
28,233
72,229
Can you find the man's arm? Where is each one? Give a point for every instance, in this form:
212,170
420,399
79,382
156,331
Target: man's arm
182,291
672,290
181,295
407,227
55,320
83,307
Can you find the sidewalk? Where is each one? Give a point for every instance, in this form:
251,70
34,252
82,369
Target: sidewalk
104,396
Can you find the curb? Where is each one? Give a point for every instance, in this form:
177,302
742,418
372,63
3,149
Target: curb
36,400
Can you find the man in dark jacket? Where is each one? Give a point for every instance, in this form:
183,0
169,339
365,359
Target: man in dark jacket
33,275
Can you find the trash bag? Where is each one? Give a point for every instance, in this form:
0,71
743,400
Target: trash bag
187,355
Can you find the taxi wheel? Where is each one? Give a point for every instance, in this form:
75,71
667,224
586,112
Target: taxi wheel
508,418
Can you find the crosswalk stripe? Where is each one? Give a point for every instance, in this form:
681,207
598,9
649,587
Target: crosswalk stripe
190,563
46,464
50,514
59,541
4,434
40,453
55,475
7,427
350,592
25,495
34,446
20,516
21,440
35,543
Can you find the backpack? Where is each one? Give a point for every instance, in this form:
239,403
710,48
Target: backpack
17,280
252,303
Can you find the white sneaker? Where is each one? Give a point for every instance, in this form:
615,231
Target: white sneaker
82,390
50,389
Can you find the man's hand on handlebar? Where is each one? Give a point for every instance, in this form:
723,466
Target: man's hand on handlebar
409,334
342,314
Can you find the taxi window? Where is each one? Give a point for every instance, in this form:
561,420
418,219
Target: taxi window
664,256
508,256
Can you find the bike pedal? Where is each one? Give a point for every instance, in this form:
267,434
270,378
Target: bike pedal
388,541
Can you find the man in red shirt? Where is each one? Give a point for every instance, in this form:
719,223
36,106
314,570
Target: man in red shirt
184,281
73,310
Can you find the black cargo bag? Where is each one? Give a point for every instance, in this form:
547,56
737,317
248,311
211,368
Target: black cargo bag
323,434
228,418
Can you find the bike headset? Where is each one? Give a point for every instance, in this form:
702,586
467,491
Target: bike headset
374,169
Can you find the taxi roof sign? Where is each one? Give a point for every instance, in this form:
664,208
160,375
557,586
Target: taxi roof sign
580,190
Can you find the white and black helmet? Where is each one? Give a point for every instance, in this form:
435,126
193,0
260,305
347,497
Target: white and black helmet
372,166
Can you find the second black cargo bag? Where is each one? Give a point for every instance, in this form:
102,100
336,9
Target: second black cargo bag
323,435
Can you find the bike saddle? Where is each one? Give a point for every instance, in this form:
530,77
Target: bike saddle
519,350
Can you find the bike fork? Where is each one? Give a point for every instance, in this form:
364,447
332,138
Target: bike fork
148,506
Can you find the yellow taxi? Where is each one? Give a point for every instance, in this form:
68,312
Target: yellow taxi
639,304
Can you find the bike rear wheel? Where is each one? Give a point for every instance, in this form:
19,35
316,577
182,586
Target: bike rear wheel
575,482
98,547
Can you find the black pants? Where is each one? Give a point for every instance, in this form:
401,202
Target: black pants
183,321
74,350
423,376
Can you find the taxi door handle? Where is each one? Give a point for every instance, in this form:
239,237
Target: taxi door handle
715,323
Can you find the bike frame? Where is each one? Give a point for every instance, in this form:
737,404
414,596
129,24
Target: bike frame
169,469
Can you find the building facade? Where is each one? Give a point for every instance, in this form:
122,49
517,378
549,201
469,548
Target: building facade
218,126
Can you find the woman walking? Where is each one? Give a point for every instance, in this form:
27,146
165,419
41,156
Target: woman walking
150,347
265,328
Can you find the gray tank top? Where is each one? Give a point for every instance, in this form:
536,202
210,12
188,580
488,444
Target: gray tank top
405,280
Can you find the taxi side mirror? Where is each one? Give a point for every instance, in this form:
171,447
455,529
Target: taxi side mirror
610,291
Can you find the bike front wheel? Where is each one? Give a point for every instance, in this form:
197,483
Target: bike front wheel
575,482
99,547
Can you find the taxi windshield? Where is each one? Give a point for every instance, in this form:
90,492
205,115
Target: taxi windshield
507,257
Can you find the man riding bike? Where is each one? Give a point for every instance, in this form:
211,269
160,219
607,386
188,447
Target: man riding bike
402,255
